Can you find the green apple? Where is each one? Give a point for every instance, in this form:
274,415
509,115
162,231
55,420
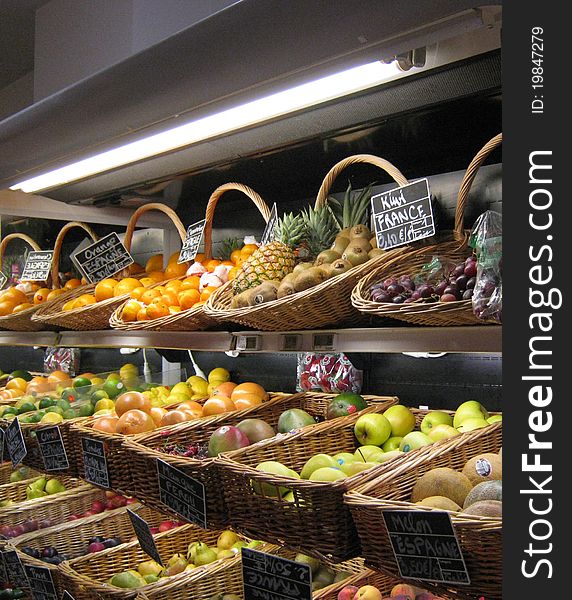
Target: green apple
344,460
289,497
327,474
494,419
469,410
434,418
414,440
392,444
401,418
389,455
358,467
317,461
276,468
372,429
368,453
472,424
442,432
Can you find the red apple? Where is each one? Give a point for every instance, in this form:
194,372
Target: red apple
110,494
425,596
97,506
154,530
89,513
132,501
96,547
109,505
73,518
368,592
348,592
166,525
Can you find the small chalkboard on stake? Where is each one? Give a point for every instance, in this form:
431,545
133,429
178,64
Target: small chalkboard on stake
15,569
41,583
95,462
269,231
426,546
3,280
38,265
182,494
403,215
274,578
145,537
3,573
2,445
103,258
15,442
52,448
192,242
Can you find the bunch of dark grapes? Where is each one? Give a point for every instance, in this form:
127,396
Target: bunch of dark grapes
457,285
198,451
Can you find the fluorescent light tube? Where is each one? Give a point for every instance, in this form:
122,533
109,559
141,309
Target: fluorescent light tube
257,111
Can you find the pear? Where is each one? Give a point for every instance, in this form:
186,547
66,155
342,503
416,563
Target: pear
54,486
38,484
149,567
226,539
304,559
205,555
128,579
176,564
225,554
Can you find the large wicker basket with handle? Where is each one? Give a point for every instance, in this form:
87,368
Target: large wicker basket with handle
480,538
323,305
144,451
196,317
96,316
428,313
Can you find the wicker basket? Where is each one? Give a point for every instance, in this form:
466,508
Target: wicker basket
480,538
20,321
323,305
433,313
87,575
194,318
71,538
6,469
144,452
96,316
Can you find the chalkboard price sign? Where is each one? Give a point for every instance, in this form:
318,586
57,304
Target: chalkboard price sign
182,494
145,537
15,570
403,215
67,596
192,242
41,583
269,231
2,445
425,546
52,448
95,462
3,280
273,578
38,266
15,442
103,258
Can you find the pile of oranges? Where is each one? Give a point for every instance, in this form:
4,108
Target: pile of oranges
27,295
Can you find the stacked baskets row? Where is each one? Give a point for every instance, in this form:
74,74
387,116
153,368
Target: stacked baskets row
342,300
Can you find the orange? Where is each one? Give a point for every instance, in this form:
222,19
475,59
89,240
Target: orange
191,406
134,421
105,289
131,400
20,307
157,276
175,269
200,257
130,310
13,393
228,263
174,309
175,416
247,401
170,298
155,310
190,283
6,307
55,293
234,272
188,298
38,385
83,281
157,413
174,285
56,377
247,250
224,388
84,300
137,292
217,406
69,305
142,314
200,303
41,295
155,263
247,389
174,257
72,283
235,256
126,286
15,295
135,268
211,265
105,424
206,293
149,295
17,384
147,282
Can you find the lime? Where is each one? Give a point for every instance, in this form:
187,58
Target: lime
85,410
55,409
113,387
70,413
46,402
26,407
99,395
24,400
36,417
22,374
80,382
69,394
25,418
62,403
52,418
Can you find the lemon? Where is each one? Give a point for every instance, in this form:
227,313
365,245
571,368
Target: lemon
104,403
52,418
218,375
198,385
181,388
128,371
176,398
104,412
97,381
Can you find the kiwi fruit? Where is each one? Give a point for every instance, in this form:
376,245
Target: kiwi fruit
345,232
309,278
356,255
286,289
289,278
375,252
265,292
340,266
373,242
240,300
361,242
303,266
340,244
327,257
360,231
326,268
442,481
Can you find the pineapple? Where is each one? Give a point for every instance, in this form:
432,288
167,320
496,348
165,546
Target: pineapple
272,261
353,210
290,230
321,228
227,247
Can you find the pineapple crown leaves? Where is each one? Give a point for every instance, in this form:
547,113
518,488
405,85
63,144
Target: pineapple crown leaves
354,207
321,228
227,246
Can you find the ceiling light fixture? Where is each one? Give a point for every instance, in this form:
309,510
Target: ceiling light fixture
257,111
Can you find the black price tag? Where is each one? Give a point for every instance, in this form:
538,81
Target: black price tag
2,445
192,241
145,537
52,448
403,215
3,573
95,462
15,570
274,578
3,280
67,596
103,258
425,546
182,494
38,266
269,231
15,442
41,583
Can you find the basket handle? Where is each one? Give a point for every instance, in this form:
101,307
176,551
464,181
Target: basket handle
213,200
146,208
17,236
58,247
371,159
468,179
